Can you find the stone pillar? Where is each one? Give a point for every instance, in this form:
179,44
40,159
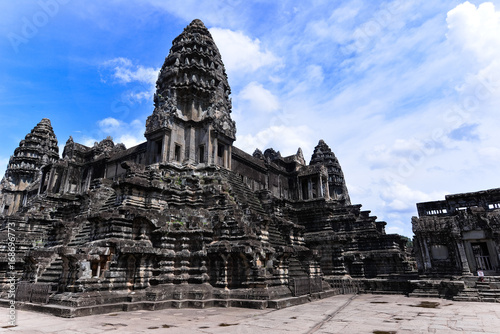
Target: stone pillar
463,258
309,187
191,145
326,187
425,254
321,189
164,149
215,147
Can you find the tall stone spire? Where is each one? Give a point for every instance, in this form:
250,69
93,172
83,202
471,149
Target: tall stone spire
191,123
323,155
192,84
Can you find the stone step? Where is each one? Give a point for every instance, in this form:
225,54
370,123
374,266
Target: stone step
466,299
243,193
109,203
295,268
425,293
489,294
52,273
275,237
81,237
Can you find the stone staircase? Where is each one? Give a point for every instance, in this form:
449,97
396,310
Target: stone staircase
468,295
295,268
110,203
425,289
425,293
486,291
52,273
245,197
82,237
275,237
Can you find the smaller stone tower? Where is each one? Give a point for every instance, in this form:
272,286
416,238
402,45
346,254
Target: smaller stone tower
337,188
39,148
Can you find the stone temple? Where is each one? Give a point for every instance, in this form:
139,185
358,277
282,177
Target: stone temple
460,235
185,218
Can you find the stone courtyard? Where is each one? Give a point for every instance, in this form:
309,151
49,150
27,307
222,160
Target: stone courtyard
356,314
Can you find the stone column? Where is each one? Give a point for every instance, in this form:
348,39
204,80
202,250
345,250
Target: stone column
163,156
321,189
309,187
215,148
425,254
192,145
463,258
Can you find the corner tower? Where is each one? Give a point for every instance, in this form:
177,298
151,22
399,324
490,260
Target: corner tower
191,123
336,183
37,149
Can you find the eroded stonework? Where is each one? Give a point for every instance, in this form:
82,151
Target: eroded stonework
185,218
459,236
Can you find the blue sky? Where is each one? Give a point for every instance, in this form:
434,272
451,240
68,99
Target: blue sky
406,93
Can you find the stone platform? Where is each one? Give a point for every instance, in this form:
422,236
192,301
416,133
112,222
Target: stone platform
339,314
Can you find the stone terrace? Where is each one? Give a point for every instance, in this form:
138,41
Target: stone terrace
340,314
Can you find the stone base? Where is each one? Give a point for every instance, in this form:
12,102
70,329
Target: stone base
201,296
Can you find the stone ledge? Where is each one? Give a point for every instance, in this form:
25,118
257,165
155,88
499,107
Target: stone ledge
71,312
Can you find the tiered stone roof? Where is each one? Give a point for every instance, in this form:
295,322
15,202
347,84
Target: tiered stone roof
323,155
38,148
192,84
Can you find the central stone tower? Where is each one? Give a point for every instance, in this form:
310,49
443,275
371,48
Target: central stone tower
191,122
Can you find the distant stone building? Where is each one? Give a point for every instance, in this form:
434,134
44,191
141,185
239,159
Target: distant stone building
185,216
459,236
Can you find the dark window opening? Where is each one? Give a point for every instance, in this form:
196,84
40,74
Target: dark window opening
158,150
202,154
94,266
177,153
305,189
220,151
482,256
220,155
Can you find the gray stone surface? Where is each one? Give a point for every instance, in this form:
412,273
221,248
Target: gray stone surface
340,314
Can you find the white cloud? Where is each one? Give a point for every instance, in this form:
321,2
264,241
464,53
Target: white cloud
129,134
400,197
240,53
88,141
109,124
260,99
490,153
3,166
282,138
337,27
473,31
125,72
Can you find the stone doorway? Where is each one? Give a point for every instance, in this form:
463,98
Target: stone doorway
481,256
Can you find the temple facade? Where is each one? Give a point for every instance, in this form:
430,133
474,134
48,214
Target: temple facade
459,236
186,216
